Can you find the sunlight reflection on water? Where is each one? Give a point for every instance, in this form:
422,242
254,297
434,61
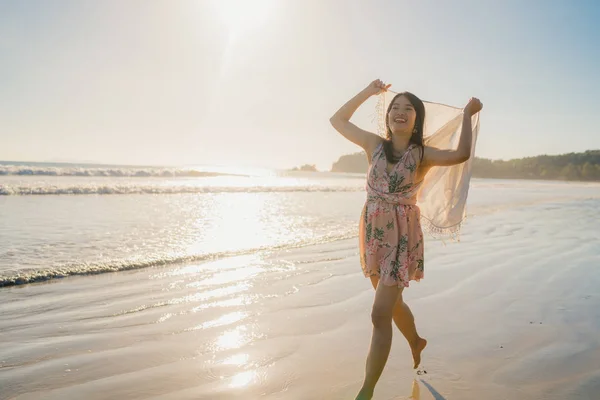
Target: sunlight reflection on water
226,319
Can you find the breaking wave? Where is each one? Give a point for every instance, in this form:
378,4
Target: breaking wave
23,277
108,172
9,190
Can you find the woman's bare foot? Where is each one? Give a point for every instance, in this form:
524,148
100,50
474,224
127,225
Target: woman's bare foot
365,394
416,351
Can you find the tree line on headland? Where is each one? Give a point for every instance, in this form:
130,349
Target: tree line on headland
570,167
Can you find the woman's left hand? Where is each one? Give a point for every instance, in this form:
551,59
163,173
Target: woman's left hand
473,107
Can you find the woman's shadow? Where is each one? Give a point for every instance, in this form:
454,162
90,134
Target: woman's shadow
416,391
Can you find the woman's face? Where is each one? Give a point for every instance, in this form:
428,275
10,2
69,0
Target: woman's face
402,116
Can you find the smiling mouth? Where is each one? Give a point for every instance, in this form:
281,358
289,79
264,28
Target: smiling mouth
400,120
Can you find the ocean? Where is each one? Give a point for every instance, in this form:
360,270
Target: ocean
61,220
58,220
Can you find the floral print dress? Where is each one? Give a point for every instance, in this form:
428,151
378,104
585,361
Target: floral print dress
391,238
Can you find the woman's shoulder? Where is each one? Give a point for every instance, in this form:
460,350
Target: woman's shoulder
417,151
374,148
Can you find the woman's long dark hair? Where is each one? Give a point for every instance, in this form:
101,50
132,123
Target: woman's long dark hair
417,136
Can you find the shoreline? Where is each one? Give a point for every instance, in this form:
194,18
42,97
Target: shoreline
25,277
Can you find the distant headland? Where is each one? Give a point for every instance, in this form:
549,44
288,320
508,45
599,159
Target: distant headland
571,167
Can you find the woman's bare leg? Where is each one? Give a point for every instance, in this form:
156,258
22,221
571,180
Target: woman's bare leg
381,341
405,321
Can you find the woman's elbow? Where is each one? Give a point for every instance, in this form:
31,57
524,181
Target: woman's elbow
463,157
335,121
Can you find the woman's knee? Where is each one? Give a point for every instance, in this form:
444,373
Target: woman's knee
399,303
381,317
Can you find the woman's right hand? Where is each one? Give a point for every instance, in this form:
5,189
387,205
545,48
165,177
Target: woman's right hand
376,87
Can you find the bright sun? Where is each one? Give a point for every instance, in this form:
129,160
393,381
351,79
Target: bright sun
241,15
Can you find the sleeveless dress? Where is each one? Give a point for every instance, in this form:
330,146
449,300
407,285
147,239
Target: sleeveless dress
391,238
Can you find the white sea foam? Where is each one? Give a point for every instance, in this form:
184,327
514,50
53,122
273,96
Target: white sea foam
8,190
25,276
27,170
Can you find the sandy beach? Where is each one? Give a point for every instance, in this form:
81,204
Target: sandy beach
510,312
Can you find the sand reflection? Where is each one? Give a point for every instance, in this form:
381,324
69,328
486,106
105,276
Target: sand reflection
235,338
243,379
238,360
416,391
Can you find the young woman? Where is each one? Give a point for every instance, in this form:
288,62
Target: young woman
391,238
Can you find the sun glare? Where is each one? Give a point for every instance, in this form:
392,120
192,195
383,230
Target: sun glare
241,15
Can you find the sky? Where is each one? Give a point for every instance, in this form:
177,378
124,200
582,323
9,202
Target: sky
253,83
